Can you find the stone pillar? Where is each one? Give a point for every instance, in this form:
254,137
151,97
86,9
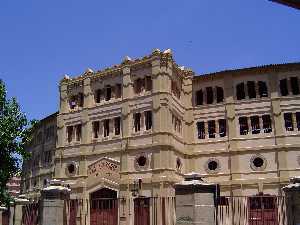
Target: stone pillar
195,201
18,209
52,203
292,194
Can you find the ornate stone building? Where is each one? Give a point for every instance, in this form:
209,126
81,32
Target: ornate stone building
147,122
39,169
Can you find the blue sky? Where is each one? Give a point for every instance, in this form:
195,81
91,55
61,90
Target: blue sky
42,40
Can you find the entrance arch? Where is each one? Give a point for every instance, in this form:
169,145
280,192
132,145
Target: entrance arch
104,207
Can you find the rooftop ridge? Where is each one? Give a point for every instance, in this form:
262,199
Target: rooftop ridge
261,68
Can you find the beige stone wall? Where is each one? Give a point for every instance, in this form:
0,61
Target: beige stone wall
171,146
40,167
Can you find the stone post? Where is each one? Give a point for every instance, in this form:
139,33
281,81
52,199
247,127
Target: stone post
18,209
52,203
292,194
195,201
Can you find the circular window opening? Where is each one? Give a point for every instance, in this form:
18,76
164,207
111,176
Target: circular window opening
212,165
141,161
178,163
258,162
71,168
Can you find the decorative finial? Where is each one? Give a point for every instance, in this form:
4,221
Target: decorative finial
156,51
127,58
168,51
89,70
66,77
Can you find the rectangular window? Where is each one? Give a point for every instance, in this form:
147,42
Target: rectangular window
98,95
118,90
72,102
209,95
255,128
267,123
199,97
244,129
211,129
96,126
298,120
220,94
117,125
137,122
148,120
80,99
288,121
106,127
148,83
108,93
222,127
138,86
251,89
262,89
78,132
294,85
201,130
240,91
284,87
70,133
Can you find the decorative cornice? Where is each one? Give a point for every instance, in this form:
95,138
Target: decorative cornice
271,68
165,57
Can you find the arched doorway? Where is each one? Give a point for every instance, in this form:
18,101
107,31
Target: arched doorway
104,207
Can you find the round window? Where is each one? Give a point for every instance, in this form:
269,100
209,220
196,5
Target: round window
258,162
178,164
212,165
141,161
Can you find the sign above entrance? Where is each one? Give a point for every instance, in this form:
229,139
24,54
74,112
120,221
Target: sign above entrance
104,168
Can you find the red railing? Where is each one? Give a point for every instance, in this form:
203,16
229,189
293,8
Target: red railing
30,214
254,210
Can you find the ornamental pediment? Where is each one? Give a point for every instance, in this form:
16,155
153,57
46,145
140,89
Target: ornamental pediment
105,168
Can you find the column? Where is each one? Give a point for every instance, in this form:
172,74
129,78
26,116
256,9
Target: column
52,203
292,194
64,104
195,202
18,212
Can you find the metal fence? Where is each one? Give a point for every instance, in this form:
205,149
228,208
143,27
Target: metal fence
5,217
254,210
31,214
109,211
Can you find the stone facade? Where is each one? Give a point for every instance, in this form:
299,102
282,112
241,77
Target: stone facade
151,121
39,169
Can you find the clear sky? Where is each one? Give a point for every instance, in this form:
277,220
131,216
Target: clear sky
42,40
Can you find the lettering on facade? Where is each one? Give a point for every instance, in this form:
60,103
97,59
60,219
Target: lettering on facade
104,168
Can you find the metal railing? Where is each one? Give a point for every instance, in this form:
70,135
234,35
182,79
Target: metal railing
31,214
254,210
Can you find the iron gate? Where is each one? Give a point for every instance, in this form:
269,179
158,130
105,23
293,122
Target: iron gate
104,211
254,210
142,211
30,214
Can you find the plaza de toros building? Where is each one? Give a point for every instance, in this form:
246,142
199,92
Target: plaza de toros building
139,127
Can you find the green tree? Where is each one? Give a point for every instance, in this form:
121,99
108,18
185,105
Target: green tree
15,133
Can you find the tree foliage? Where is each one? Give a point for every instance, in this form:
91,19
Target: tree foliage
15,133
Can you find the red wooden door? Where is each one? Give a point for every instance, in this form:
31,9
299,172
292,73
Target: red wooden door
263,210
104,208
142,211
